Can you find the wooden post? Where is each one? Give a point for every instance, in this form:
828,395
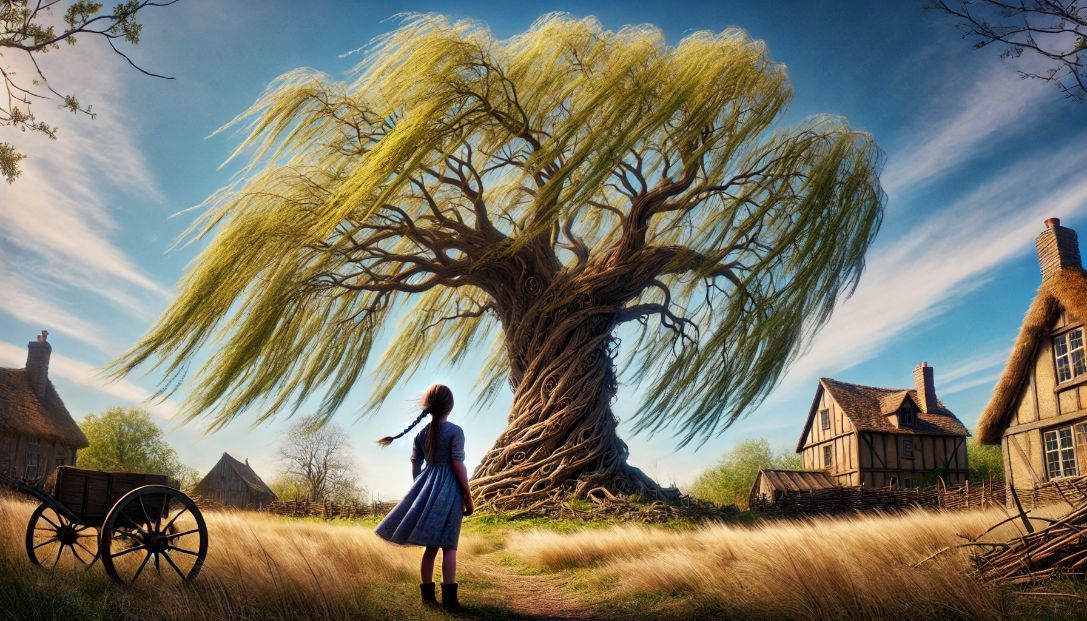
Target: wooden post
1022,514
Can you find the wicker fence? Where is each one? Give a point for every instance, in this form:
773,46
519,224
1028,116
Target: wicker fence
302,508
838,500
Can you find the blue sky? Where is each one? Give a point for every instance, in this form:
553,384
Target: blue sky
976,159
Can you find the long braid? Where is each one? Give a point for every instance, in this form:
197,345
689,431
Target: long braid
387,440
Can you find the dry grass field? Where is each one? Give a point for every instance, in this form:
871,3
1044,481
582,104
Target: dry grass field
262,567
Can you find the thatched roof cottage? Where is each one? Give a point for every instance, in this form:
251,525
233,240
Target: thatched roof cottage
1038,411
37,433
878,437
234,484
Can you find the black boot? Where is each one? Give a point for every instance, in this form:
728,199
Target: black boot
427,591
449,598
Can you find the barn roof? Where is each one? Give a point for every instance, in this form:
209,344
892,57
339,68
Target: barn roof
1065,287
865,408
24,412
243,471
795,480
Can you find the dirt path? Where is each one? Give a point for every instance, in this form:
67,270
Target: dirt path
516,595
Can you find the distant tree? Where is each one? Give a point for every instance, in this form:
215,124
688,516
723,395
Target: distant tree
730,481
127,440
1052,29
317,462
986,460
545,192
25,32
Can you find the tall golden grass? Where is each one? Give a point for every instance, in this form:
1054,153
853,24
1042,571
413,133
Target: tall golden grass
831,568
258,567
265,567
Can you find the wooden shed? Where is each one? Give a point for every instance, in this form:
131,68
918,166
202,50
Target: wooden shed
771,485
37,433
234,484
1038,410
884,437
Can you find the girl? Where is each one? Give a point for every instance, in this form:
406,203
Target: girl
430,513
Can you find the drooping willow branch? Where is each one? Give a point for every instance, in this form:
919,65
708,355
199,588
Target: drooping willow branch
538,192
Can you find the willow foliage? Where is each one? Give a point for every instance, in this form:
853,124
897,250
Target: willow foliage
449,156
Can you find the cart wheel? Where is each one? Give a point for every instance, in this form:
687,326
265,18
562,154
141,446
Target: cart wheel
153,527
52,540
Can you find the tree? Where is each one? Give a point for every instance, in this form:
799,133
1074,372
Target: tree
730,481
543,190
1054,30
127,440
986,461
317,463
25,33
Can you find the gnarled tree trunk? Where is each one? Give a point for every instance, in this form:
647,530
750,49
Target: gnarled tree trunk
561,436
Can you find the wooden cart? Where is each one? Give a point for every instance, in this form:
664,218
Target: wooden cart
132,522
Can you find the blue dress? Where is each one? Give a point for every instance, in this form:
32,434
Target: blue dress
431,511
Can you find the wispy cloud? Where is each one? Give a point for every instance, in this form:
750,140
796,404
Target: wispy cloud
975,364
911,279
57,219
21,300
85,374
988,379
997,104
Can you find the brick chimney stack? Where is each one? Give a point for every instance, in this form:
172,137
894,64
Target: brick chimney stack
37,362
1058,247
925,387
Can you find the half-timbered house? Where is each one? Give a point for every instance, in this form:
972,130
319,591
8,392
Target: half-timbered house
1038,410
876,437
37,433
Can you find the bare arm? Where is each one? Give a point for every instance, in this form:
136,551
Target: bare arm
462,478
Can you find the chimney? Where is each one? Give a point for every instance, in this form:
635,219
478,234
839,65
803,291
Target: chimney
37,362
1058,247
925,386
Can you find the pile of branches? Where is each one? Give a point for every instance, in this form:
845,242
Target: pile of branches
1045,548
1058,549
600,504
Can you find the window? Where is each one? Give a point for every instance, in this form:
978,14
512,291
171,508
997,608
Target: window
1068,351
31,471
824,419
1060,453
907,448
906,417
828,456
909,483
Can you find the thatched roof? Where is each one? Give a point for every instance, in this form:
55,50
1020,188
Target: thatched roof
794,480
241,470
1067,288
23,412
865,405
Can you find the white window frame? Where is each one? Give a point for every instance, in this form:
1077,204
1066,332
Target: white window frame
907,448
1059,448
1069,355
828,456
824,418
